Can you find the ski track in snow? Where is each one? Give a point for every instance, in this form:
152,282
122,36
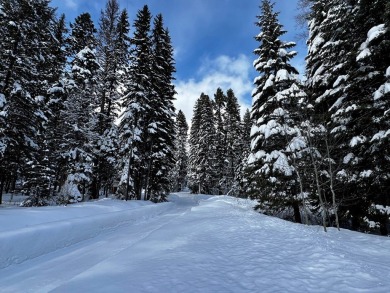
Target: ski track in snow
206,244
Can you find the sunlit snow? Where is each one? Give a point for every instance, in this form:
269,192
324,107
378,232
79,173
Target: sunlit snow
194,243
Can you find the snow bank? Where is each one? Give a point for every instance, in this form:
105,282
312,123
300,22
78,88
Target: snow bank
52,228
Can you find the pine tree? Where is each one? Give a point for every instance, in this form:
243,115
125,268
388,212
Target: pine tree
42,172
161,121
193,176
234,151
358,117
220,141
179,172
133,128
78,115
245,138
25,55
83,34
202,177
329,54
275,134
328,66
112,52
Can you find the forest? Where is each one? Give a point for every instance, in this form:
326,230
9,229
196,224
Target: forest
87,111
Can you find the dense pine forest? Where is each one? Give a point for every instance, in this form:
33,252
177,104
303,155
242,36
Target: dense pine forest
86,110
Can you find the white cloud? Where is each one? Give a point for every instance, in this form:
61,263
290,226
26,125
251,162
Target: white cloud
224,72
72,4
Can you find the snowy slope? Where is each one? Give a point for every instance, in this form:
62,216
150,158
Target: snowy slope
192,244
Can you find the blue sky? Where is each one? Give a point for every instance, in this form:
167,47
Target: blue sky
213,41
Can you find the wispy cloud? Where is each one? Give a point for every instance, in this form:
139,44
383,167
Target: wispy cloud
225,72
72,4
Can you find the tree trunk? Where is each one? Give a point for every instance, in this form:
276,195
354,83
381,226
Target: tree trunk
1,189
320,198
95,186
334,204
297,214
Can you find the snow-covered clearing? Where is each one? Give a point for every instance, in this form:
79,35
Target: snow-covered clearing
191,244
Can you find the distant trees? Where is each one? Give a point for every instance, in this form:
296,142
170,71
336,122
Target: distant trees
217,144
179,172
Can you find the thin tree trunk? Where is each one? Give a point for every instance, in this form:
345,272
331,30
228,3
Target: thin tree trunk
128,175
319,194
334,204
1,189
303,199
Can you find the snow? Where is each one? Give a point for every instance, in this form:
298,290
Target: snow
281,164
269,82
374,33
194,243
357,140
283,74
348,158
316,44
271,128
364,53
383,90
339,80
366,173
381,135
2,100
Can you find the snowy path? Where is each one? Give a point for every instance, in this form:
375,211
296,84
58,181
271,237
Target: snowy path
218,245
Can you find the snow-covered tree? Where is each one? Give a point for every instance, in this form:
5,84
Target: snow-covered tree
245,138
161,126
133,128
220,165
83,34
202,148
78,116
179,172
233,142
26,60
359,116
275,133
113,45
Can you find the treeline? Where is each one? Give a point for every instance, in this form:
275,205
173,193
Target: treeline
84,110
320,150
219,145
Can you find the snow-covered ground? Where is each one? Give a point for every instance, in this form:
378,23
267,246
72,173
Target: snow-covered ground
191,244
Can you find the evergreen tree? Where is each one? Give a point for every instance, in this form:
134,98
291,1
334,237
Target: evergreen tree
328,66
234,150
202,177
179,172
358,118
193,182
245,138
78,115
25,55
41,171
83,34
112,51
220,141
329,54
137,109
275,134
161,121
